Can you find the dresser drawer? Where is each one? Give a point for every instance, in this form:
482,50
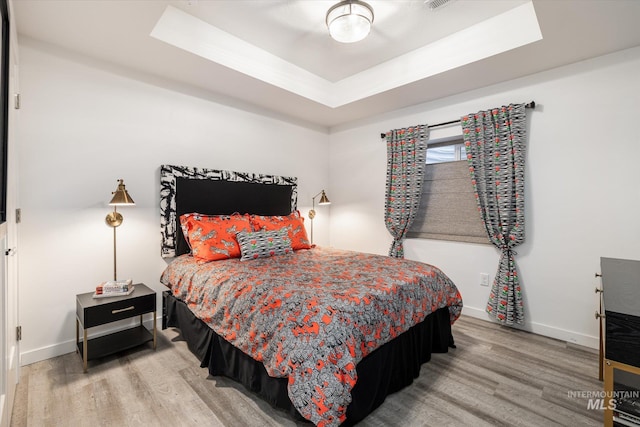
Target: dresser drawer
622,338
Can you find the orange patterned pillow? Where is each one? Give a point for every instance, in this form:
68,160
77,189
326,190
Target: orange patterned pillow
297,232
214,237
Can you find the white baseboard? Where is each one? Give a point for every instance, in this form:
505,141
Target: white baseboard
43,353
55,350
540,329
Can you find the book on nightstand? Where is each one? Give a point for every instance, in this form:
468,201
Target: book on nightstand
114,288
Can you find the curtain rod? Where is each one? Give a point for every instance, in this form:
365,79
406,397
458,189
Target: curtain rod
531,105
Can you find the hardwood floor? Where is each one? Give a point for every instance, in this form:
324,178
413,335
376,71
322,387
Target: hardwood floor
495,376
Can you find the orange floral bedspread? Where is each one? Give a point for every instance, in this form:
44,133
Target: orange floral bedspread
313,315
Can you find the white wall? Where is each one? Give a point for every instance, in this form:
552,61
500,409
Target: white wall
582,193
83,125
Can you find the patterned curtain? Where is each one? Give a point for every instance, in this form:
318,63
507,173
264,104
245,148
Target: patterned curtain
495,146
406,157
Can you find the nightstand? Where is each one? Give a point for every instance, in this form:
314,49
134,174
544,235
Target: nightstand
91,312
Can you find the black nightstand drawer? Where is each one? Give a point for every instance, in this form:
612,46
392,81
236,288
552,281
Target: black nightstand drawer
118,310
99,311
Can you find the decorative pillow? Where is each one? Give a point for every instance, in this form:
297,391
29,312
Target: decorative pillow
214,237
263,244
297,232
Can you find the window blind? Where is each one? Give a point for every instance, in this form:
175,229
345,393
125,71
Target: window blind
448,209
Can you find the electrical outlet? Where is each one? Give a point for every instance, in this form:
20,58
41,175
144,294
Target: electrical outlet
484,279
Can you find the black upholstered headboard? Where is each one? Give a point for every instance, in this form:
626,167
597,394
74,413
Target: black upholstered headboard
217,192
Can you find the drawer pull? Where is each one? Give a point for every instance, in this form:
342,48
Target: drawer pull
120,310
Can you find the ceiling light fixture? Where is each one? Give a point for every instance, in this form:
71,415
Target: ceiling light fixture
349,21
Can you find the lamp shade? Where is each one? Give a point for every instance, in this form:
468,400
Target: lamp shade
121,197
349,21
324,200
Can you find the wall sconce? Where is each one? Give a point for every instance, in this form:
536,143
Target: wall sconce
324,200
120,198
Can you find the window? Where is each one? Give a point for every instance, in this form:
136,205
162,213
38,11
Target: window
448,209
447,151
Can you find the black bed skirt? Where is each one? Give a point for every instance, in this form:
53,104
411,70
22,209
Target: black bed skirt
384,371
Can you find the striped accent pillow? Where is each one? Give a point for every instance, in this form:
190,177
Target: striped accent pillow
263,244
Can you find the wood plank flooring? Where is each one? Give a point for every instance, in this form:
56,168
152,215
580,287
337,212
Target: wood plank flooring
496,376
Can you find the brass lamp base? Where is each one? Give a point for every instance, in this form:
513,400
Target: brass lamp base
113,219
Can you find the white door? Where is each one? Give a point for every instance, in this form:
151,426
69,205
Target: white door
9,345
6,391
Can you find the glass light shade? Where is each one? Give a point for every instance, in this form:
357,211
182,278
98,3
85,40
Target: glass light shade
121,197
349,21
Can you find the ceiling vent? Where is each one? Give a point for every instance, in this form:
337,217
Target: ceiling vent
437,4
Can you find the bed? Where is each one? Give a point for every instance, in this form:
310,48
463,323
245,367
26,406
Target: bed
322,333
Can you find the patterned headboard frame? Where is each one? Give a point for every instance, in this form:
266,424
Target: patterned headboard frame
168,175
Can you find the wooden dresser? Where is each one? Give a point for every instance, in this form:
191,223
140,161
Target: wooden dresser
621,304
